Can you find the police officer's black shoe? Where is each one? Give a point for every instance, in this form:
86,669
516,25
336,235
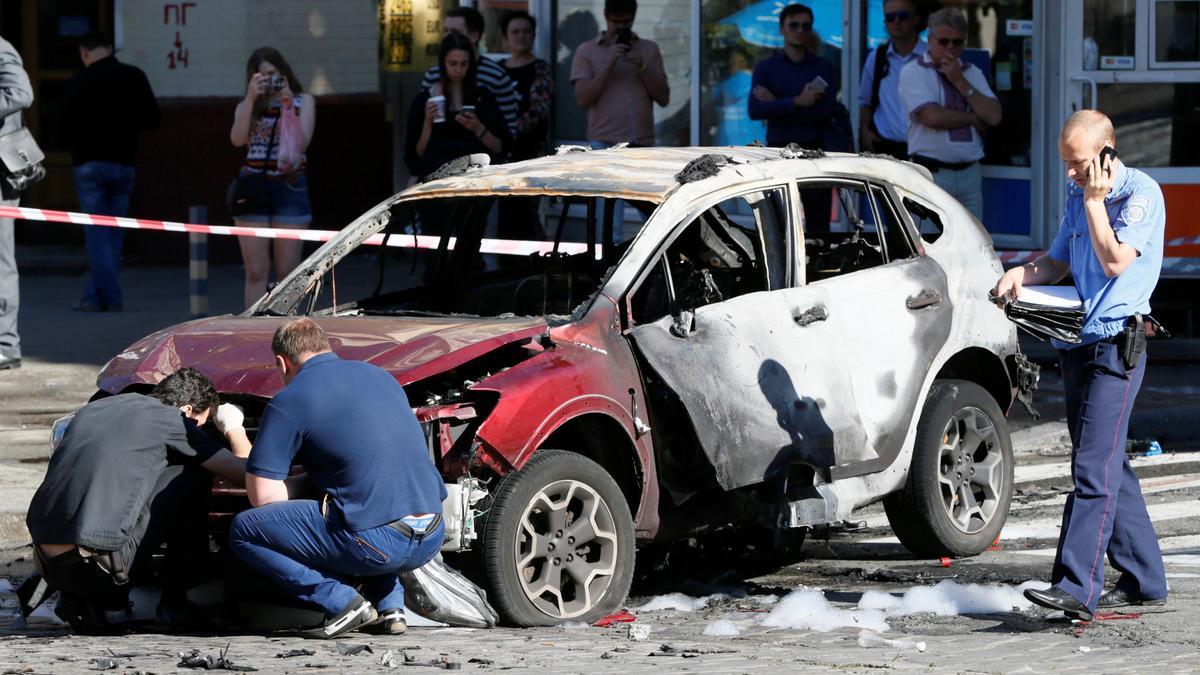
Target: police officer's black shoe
354,616
1056,598
1119,597
389,622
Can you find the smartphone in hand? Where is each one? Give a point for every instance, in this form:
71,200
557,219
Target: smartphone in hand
820,84
1110,154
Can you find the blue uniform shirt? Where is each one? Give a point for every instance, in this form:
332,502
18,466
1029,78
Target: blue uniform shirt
1138,216
786,79
349,423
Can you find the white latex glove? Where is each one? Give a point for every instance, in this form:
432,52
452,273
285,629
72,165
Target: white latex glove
229,417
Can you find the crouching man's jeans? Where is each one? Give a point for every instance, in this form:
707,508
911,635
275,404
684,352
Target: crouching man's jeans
311,556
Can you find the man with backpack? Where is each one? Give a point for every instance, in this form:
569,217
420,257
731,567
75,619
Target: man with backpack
882,120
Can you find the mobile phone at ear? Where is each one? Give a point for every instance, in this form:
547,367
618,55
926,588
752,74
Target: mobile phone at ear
1107,153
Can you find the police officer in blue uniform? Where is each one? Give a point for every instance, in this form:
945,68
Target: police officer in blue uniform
350,425
1111,241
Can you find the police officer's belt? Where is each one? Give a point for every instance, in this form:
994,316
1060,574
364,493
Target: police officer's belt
407,530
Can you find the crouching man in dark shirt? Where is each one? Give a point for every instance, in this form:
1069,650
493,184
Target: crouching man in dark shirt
131,472
350,425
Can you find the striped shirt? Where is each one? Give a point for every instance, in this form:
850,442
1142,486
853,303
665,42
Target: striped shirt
495,79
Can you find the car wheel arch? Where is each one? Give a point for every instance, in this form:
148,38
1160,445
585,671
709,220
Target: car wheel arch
603,438
978,365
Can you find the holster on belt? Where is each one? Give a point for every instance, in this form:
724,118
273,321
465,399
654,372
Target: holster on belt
1133,346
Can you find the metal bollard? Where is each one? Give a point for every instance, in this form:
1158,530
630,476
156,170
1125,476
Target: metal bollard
198,262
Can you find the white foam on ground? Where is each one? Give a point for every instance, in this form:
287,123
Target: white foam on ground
765,599
948,598
722,628
677,602
807,608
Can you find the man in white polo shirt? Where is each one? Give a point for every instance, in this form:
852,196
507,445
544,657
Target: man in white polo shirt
949,102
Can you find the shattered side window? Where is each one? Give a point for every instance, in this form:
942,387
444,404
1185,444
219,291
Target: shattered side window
841,234
889,226
928,222
735,247
652,300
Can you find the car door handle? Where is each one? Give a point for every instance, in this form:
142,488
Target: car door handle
811,316
926,298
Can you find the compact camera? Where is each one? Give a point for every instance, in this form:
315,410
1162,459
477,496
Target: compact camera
276,83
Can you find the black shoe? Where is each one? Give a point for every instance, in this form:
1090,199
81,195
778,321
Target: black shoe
354,616
389,622
9,362
1056,598
85,306
1119,597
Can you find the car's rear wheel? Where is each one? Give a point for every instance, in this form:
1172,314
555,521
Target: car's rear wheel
960,482
558,543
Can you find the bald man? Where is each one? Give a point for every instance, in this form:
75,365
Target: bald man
1111,241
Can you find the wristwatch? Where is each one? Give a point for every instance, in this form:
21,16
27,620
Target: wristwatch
970,90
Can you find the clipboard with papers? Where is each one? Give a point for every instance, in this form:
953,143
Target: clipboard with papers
1048,312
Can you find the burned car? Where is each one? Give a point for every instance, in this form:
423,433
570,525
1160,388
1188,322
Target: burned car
659,341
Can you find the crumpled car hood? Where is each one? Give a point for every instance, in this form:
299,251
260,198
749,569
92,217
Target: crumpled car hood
235,352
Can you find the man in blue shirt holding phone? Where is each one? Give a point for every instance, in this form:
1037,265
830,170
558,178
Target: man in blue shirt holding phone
1111,241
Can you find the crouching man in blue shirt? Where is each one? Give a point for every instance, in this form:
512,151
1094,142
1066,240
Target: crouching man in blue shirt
351,427
1111,241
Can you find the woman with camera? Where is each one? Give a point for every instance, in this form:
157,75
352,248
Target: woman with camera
271,189
456,117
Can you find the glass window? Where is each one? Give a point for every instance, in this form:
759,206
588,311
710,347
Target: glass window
1108,30
1177,31
1157,124
493,13
666,22
927,220
737,35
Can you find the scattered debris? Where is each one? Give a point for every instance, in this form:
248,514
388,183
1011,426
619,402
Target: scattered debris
639,632
868,639
945,561
19,670
704,166
689,652
459,166
106,663
481,662
194,659
612,653
388,660
1084,649
1143,448
622,616
295,652
350,650
442,663
995,546
566,149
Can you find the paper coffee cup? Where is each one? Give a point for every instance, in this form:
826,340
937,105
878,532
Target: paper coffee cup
441,104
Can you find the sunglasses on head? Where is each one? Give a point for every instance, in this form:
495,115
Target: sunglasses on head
893,17
799,25
945,42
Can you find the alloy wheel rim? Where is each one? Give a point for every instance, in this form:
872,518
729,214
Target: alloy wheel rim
566,549
970,470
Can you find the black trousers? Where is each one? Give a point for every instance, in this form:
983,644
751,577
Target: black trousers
176,513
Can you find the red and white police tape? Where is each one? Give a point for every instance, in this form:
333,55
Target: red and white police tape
496,246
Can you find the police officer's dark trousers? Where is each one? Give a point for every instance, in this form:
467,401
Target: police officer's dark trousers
1106,513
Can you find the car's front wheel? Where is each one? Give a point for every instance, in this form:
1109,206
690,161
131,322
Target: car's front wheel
558,543
960,481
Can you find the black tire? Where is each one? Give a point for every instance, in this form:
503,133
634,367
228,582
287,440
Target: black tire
603,553
956,499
